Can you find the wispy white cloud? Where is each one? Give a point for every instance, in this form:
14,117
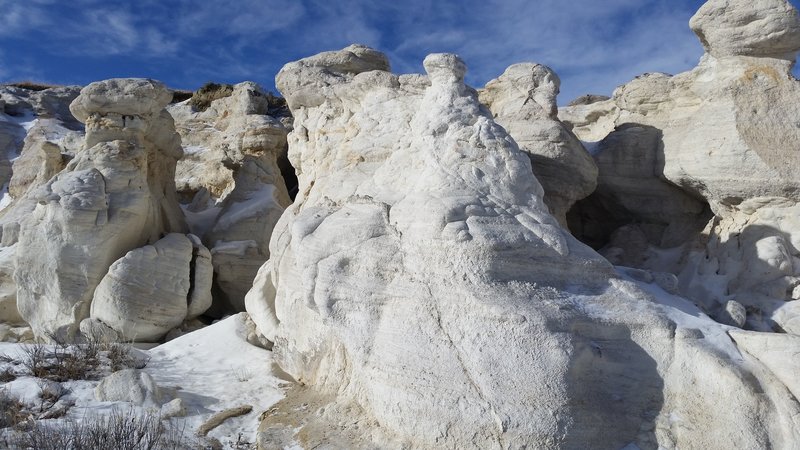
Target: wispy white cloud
3,70
244,18
593,45
17,17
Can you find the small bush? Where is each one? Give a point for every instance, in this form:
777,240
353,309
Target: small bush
180,95
7,375
12,411
32,85
118,430
85,361
203,97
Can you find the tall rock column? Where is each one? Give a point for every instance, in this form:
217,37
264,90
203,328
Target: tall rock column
117,194
523,101
231,168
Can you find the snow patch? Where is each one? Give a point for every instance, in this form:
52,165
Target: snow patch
194,150
257,202
238,248
6,199
215,368
210,370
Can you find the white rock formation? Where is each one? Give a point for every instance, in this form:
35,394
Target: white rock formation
427,298
8,289
37,132
129,385
217,139
153,289
231,152
260,303
523,101
117,194
761,28
728,137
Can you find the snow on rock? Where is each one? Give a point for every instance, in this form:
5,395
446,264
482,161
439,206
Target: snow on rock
424,296
129,385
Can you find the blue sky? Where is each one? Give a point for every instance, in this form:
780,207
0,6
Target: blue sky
594,45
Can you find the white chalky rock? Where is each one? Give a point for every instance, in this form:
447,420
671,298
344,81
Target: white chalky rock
117,194
232,153
748,28
727,135
424,292
149,291
523,101
129,385
8,289
260,303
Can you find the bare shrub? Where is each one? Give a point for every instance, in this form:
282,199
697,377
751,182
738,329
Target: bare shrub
181,95
7,375
122,430
203,97
12,411
32,85
88,360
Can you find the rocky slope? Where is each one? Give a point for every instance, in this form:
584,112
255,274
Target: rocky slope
460,268
419,287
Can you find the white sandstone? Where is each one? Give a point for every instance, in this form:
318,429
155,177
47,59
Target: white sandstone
149,291
523,101
424,296
117,194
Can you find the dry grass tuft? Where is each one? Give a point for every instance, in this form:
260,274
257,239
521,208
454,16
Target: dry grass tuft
203,97
181,95
86,361
32,85
12,411
118,430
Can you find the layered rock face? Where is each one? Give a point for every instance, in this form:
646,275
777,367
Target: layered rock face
722,134
231,169
39,120
420,289
149,291
523,101
115,195
39,134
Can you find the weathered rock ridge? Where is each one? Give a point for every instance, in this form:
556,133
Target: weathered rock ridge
419,288
722,134
231,170
116,194
523,101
